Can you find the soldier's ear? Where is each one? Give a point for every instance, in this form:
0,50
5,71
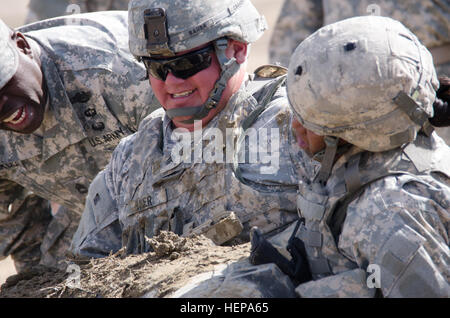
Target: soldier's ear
238,50
21,42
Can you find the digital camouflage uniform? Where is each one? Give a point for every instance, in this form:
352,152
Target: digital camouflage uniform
386,201
400,223
381,205
96,96
144,189
45,9
429,20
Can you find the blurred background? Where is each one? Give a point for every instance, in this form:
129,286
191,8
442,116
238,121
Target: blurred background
14,12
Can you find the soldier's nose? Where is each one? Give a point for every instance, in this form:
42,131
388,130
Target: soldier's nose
172,79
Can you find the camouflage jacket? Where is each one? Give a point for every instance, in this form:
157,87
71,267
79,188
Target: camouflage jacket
394,225
148,191
96,96
429,20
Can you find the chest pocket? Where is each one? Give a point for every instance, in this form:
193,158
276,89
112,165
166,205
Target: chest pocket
99,120
185,198
207,188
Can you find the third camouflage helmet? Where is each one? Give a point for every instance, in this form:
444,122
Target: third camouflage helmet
367,80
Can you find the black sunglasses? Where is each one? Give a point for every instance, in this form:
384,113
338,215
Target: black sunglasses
183,66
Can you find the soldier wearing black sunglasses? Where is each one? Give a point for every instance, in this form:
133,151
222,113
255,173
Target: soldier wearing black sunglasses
183,66
195,53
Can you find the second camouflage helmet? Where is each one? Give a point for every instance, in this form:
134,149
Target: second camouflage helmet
165,27
367,80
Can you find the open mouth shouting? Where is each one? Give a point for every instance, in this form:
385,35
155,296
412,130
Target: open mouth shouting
24,119
17,117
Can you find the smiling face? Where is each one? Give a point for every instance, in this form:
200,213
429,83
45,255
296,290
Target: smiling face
176,92
22,99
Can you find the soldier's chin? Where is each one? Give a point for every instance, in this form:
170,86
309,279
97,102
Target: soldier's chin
34,115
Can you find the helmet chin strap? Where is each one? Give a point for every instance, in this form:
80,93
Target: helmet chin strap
229,67
326,158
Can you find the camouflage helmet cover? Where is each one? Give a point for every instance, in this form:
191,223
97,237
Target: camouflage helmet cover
9,58
191,23
345,80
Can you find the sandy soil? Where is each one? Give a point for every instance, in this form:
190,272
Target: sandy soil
15,15
157,274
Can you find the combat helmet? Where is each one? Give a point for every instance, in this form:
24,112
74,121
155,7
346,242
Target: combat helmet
9,58
166,27
367,80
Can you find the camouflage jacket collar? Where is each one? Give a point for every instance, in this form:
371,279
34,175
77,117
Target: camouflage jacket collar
420,157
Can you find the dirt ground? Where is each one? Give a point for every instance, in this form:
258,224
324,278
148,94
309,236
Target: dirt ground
157,274
15,14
